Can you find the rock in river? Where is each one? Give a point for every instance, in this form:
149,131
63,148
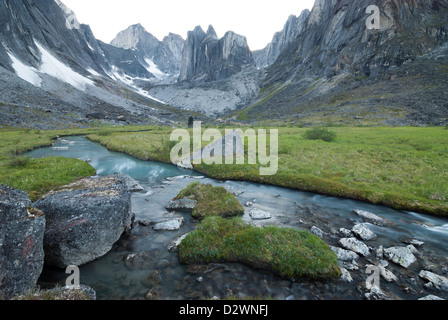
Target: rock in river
363,232
344,255
170,225
441,283
85,219
371,217
21,243
355,245
182,204
257,214
400,255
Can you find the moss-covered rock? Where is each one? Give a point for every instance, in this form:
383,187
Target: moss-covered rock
211,201
289,253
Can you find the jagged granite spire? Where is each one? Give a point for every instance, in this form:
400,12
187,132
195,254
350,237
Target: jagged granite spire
207,58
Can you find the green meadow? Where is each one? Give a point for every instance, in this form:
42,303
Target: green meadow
404,168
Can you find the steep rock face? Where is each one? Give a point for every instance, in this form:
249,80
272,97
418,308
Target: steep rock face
21,243
166,54
49,61
336,38
207,58
293,27
338,70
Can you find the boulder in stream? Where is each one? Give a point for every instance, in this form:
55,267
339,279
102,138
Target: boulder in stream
85,219
439,282
363,232
355,245
21,243
371,217
400,255
169,225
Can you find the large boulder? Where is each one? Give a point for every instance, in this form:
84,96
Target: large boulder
21,243
85,219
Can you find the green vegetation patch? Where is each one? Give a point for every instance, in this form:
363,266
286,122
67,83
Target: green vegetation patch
211,201
36,176
289,253
320,133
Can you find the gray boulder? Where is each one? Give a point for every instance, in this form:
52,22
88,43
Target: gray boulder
371,217
257,214
130,183
182,204
431,297
21,243
318,232
344,255
400,255
85,219
170,225
441,283
363,232
355,245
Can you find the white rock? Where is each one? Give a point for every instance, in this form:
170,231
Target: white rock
380,252
376,294
400,255
317,232
344,255
431,297
414,250
371,217
387,275
257,214
346,276
173,247
441,283
363,232
355,245
345,233
414,242
170,225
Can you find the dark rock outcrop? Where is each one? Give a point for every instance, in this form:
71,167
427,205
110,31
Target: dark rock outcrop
165,54
293,27
207,58
21,243
85,219
337,69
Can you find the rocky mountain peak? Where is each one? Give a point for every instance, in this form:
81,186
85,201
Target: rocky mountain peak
207,58
211,33
162,56
134,36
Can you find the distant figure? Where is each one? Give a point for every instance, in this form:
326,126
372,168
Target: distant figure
190,122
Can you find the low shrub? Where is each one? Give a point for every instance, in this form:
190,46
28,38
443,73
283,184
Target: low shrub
320,133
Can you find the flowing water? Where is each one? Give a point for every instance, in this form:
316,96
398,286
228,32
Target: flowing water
163,277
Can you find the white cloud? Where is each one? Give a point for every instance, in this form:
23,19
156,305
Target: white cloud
257,20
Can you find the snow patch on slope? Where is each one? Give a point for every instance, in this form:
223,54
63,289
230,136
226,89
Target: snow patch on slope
154,69
128,80
53,67
27,73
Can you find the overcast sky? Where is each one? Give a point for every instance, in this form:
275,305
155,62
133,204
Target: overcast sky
257,20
